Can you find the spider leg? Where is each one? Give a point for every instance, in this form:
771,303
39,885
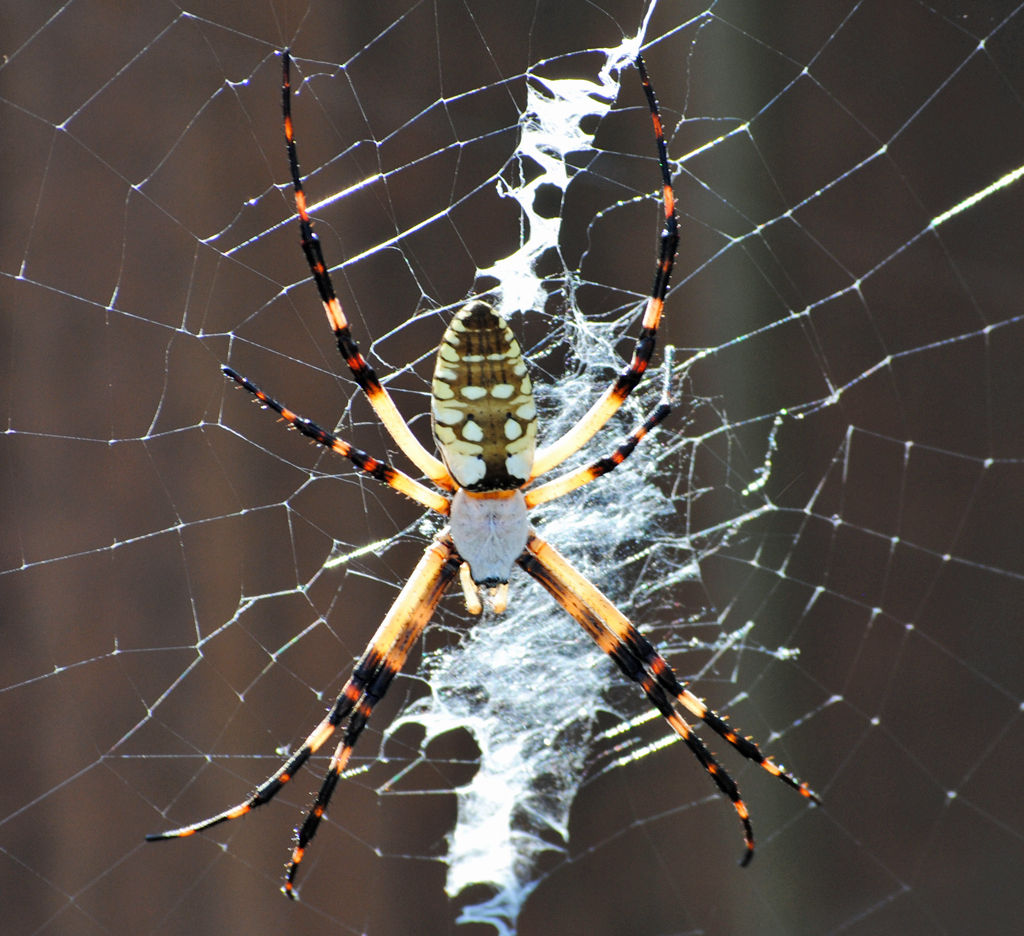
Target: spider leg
640,662
382,659
572,480
536,561
553,455
392,477
630,640
363,373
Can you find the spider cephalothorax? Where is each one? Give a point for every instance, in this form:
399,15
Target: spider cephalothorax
485,427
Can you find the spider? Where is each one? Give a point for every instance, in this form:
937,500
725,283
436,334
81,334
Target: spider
485,426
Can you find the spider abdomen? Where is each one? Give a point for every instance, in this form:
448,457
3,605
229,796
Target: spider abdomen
482,410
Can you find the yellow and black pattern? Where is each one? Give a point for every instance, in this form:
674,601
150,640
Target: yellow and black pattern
482,408
485,426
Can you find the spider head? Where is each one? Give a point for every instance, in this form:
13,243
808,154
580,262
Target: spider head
489,530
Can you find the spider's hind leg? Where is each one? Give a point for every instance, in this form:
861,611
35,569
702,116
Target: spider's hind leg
374,467
362,372
551,456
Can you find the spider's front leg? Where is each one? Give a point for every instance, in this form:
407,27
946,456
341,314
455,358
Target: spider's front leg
641,662
381,661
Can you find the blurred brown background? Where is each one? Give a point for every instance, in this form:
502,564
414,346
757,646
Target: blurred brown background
141,503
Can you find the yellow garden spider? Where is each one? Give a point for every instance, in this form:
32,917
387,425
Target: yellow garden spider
485,427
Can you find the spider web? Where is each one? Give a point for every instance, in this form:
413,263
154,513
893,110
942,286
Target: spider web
824,536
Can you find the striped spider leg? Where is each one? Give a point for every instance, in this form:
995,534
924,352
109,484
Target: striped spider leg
612,399
363,373
640,661
484,424
380,663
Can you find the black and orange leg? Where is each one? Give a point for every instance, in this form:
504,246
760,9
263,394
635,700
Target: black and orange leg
659,668
668,242
558,487
383,658
640,661
537,561
405,621
625,636
372,693
392,477
363,373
